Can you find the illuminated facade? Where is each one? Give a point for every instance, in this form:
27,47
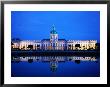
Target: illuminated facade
53,43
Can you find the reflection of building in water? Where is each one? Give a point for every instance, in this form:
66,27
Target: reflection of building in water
53,65
54,43
53,59
72,58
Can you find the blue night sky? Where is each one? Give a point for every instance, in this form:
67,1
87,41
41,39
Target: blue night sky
74,25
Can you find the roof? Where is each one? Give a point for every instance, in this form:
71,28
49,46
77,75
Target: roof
45,39
62,39
15,40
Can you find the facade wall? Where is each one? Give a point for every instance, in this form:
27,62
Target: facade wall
27,45
84,44
45,45
59,45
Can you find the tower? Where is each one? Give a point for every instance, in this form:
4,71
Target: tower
53,38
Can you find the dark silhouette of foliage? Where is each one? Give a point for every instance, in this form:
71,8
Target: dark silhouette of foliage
30,60
97,46
30,47
77,45
77,61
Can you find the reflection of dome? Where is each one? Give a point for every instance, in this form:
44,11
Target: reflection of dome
30,60
77,61
53,31
53,66
53,69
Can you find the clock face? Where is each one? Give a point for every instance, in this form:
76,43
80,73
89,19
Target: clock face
54,38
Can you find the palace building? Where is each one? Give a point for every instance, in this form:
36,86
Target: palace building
53,43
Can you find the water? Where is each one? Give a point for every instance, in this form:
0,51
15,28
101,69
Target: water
55,66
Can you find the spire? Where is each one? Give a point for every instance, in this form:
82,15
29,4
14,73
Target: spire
53,27
53,31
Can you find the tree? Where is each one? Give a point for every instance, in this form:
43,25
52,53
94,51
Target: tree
77,46
77,61
30,60
84,47
38,47
30,47
97,46
12,43
69,47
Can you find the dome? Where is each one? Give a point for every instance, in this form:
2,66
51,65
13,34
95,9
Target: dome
53,31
